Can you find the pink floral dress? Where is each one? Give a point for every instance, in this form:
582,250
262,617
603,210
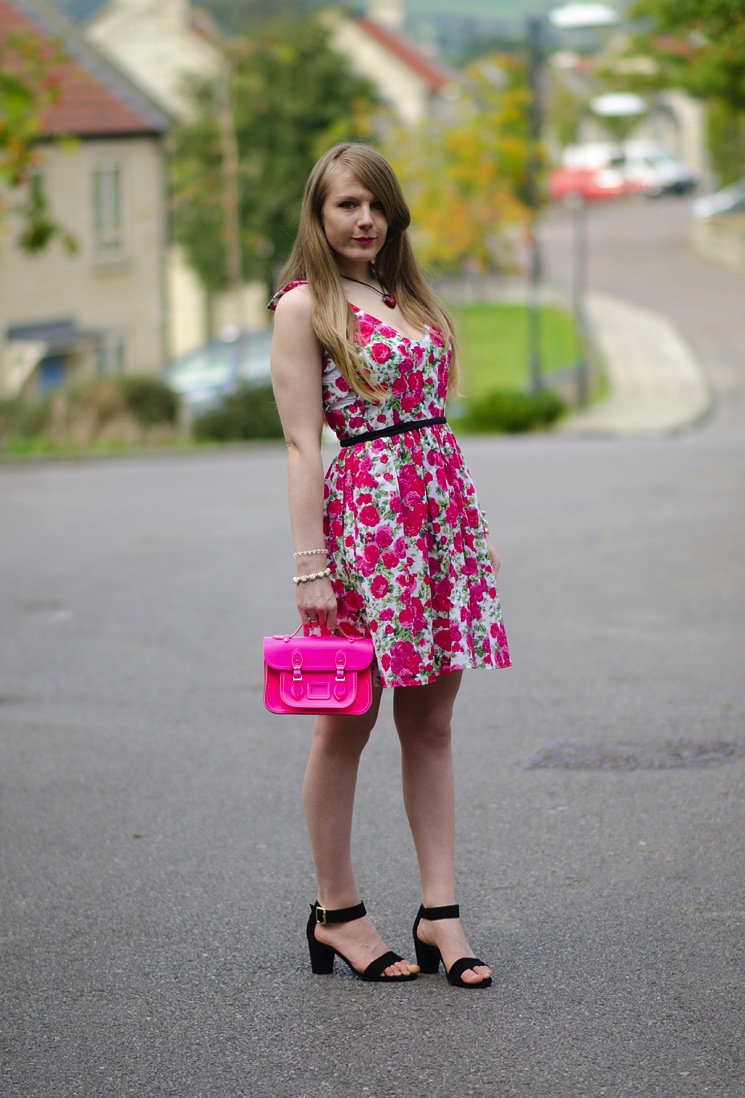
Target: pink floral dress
404,533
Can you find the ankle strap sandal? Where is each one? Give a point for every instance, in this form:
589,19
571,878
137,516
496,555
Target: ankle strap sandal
322,956
429,957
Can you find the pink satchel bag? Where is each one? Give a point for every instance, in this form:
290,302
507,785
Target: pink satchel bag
318,674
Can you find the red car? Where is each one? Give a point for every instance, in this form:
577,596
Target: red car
591,184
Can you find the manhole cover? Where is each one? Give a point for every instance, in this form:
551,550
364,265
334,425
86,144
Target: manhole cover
625,755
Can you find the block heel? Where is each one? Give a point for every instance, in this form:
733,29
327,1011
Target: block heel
321,956
427,957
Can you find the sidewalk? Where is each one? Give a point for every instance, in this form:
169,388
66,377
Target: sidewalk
657,386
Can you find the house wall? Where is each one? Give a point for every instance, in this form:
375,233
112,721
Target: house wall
116,281
153,42
395,81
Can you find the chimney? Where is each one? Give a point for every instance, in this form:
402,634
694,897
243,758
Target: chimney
389,13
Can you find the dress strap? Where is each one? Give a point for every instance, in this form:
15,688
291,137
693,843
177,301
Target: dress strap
285,289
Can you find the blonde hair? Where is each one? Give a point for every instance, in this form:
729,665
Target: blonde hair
312,260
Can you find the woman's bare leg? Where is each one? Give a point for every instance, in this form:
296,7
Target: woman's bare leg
423,721
328,801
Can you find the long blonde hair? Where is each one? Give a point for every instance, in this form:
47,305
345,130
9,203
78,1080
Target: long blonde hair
312,260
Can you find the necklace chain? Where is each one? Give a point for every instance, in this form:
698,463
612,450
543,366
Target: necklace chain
388,298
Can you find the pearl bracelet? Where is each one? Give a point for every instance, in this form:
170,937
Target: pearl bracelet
312,576
309,553
485,523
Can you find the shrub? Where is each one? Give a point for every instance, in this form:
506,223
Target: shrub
116,411
513,411
23,419
248,413
150,401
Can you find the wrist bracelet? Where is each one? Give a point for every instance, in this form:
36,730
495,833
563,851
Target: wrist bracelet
309,553
312,576
485,523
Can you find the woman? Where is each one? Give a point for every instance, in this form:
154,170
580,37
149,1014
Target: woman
392,536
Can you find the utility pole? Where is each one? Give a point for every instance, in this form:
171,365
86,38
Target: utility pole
535,272
231,202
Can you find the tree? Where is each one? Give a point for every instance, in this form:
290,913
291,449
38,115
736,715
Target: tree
699,43
291,97
29,86
465,176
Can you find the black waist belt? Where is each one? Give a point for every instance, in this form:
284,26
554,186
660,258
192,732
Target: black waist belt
394,429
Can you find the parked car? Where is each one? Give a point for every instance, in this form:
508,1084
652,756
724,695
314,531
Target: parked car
606,169
202,378
591,184
653,171
728,200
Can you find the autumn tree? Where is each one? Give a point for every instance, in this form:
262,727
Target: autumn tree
290,97
464,175
29,86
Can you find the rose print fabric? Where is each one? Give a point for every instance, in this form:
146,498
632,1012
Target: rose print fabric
403,529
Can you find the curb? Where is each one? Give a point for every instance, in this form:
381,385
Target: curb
657,387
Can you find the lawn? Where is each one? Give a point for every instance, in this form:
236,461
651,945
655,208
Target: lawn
493,345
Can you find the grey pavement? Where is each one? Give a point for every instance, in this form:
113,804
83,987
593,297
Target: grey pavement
156,878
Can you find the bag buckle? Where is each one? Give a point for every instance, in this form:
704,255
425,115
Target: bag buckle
297,666
341,663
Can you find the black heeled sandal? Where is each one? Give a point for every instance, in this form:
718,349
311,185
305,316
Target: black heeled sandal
322,956
429,957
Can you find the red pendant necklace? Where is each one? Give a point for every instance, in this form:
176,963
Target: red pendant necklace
388,298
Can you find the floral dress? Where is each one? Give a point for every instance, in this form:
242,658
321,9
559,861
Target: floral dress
404,533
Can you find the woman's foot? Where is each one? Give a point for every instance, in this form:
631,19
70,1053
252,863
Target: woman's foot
359,943
445,936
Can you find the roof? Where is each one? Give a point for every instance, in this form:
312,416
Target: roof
57,335
96,99
433,73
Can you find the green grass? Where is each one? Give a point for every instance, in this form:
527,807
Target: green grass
493,345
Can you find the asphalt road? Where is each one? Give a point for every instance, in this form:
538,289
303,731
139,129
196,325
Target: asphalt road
156,877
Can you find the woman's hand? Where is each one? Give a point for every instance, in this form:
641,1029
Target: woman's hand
495,561
316,603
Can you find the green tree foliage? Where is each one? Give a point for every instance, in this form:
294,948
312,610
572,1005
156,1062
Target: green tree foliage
291,97
699,43
242,15
464,175
29,86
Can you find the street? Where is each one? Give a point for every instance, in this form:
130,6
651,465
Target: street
156,874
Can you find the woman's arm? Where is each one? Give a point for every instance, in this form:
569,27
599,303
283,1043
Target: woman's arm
296,376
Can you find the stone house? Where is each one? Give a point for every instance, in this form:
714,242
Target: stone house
104,308
413,83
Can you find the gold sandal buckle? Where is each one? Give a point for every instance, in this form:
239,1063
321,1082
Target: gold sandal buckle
321,915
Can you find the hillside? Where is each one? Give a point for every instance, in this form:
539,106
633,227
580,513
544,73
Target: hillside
485,11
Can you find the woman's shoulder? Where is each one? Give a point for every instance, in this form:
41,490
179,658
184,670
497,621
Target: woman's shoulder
300,300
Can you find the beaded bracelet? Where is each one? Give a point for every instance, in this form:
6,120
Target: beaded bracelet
485,523
312,576
308,553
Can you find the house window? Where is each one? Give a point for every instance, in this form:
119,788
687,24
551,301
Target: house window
108,212
111,356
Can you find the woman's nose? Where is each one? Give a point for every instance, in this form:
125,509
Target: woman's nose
365,215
